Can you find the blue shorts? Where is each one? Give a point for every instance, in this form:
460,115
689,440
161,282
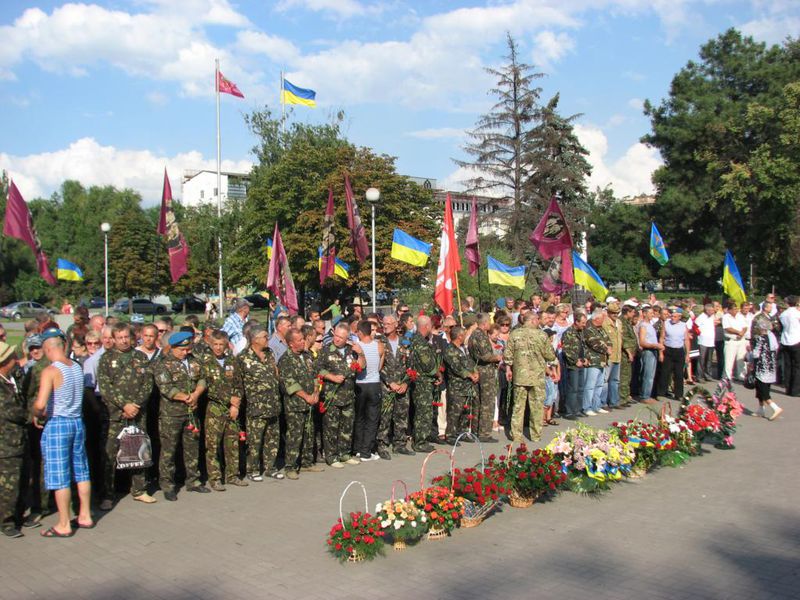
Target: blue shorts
64,452
550,392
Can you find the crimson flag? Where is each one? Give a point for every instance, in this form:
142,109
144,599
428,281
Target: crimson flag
449,262
167,226
19,224
358,238
327,265
279,277
551,236
226,86
559,277
471,251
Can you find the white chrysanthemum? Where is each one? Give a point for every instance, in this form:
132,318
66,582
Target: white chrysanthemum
398,524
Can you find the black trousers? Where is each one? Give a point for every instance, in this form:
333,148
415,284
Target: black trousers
704,363
791,373
672,367
368,412
719,353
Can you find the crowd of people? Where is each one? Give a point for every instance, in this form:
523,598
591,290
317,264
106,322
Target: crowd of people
244,401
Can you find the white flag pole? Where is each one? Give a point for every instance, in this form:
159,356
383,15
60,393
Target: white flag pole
219,197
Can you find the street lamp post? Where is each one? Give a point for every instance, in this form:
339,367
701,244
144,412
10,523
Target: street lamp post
373,195
105,228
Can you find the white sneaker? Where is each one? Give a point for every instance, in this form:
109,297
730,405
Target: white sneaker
370,458
336,465
590,413
775,413
602,410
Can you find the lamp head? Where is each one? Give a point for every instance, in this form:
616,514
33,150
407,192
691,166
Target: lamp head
105,227
373,195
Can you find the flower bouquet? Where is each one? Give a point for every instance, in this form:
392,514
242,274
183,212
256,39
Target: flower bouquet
592,458
528,474
403,520
479,489
728,409
653,444
442,508
357,537
701,421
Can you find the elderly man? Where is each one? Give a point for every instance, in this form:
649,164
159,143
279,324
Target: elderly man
482,352
613,327
60,398
462,377
574,348
13,434
234,324
423,359
527,355
675,355
598,347
278,342
395,407
736,329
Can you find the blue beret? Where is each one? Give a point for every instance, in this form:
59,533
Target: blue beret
52,333
182,338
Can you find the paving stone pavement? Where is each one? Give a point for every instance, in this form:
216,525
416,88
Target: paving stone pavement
723,526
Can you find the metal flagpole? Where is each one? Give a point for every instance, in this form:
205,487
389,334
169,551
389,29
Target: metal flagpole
219,198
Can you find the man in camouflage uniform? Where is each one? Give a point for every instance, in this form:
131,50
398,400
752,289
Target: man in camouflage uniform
395,406
13,434
222,372
527,354
462,377
262,404
296,369
612,326
482,352
630,346
574,349
423,359
33,476
598,348
180,381
122,376
338,396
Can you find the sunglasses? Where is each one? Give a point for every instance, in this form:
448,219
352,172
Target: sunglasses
161,330
92,343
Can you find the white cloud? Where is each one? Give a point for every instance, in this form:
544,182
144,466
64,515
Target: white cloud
279,49
551,47
629,175
342,9
85,160
437,133
772,30
636,104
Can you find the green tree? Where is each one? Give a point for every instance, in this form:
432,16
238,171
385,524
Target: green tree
728,136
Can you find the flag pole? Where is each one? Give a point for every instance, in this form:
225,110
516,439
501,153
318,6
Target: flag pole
219,196
458,296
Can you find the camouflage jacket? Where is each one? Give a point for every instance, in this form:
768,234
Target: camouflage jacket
481,350
32,379
614,331
423,358
394,364
123,378
172,378
573,346
597,342
224,381
336,361
13,418
201,350
260,380
297,373
528,352
629,341
459,366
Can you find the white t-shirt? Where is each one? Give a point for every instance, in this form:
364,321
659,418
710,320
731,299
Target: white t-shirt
748,319
790,321
730,322
706,326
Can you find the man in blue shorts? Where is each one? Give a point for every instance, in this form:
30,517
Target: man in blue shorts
60,398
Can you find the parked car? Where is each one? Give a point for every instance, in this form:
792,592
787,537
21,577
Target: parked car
257,300
25,310
191,304
141,306
96,302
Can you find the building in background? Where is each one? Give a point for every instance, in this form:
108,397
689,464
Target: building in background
200,187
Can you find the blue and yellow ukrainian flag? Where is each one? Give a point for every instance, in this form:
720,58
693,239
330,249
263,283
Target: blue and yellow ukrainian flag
409,249
341,268
732,280
500,274
268,246
586,276
657,249
68,271
291,94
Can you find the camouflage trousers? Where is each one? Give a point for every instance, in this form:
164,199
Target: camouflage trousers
457,421
532,397
299,440
173,434
486,400
224,431
423,397
10,482
36,494
337,432
263,440
393,423
138,483
625,371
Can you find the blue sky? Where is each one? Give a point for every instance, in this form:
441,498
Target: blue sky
110,93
